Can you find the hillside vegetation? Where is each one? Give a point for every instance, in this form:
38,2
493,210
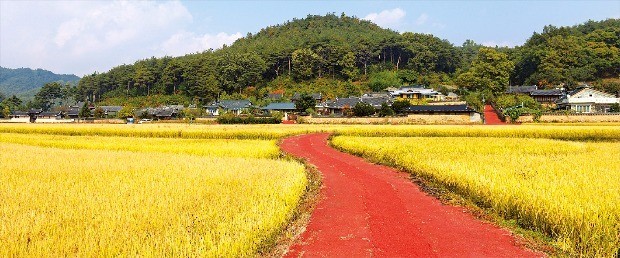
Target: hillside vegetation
25,82
341,56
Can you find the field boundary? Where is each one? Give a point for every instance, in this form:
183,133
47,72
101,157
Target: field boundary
297,224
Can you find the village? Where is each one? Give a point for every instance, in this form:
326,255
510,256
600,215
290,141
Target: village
426,104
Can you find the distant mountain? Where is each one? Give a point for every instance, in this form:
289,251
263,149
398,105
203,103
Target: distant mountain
25,82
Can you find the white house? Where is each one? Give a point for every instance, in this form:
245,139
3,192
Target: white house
417,92
587,100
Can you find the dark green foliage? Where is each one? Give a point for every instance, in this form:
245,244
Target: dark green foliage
84,111
570,54
232,119
399,106
381,80
363,109
615,108
386,110
305,102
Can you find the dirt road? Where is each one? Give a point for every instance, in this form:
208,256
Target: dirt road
372,210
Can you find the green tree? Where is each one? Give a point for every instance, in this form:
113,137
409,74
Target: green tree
6,112
47,95
305,63
381,80
236,71
386,110
125,112
84,111
305,102
363,109
489,70
400,105
615,108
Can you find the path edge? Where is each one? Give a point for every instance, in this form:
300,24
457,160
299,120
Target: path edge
296,225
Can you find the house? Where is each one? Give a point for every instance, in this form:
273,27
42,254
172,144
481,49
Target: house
284,107
19,114
337,106
521,89
74,110
280,106
587,100
417,92
234,106
547,97
111,111
161,113
452,97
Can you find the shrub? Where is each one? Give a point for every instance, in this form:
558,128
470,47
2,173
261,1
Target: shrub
363,109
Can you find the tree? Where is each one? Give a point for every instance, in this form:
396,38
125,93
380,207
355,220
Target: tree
489,70
615,108
14,103
84,111
363,109
235,71
125,112
6,112
385,110
381,80
48,94
400,105
304,102
99,112
305,63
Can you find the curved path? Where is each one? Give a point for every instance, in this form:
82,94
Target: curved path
372,210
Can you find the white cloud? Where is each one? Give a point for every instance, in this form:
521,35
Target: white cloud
496,44
188,42
386,18
85,36
421,19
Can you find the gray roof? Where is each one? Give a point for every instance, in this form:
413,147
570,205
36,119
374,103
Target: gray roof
351,102
439,109
280,106
111,108
555,92
235,104
521,89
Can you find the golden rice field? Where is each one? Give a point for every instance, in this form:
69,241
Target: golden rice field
569,190
223,190
91,196
201,147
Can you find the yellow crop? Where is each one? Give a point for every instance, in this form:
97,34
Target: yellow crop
569,190
78,199
202,147
580,133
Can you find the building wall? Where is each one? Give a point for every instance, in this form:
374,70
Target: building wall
573,118
410,119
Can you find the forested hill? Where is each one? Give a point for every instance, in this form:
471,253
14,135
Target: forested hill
339,55
25,82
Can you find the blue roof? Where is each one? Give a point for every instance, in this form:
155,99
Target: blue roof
235,104
280,106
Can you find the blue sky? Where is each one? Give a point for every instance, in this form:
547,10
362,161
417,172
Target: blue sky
81,37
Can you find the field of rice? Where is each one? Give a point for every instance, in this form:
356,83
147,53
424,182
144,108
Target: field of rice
225,190
569,190
128,196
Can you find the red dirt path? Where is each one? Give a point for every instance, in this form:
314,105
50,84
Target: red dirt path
372,210
490,116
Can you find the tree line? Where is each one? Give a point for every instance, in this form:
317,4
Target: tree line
341,56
